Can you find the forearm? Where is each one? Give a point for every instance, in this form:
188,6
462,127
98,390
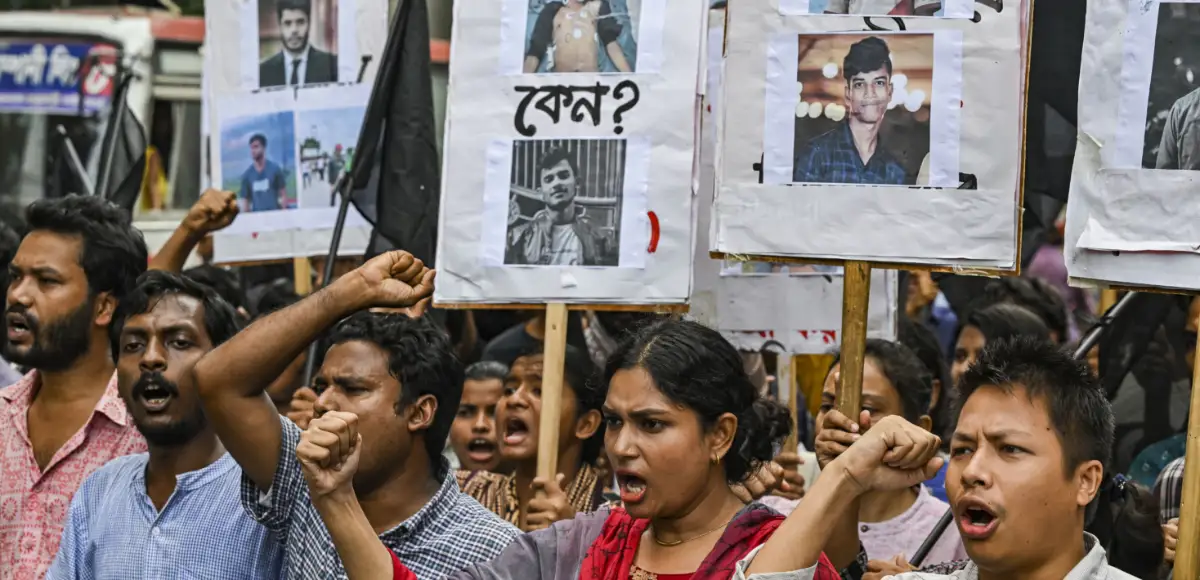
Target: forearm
175,252
362,554
618,57
798,543
843,545
252,359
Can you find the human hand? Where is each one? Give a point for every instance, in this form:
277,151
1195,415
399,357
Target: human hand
329,452
303,407
893,455
791,485
549,505
394,280
922,291
836,433
1170,538
762,482
214,211
880,569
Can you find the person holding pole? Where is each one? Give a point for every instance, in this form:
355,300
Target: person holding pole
390,379
1027,457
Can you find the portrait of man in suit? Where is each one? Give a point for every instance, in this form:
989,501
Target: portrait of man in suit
298,62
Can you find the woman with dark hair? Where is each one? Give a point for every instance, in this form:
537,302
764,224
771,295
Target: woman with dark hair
996,322
683,423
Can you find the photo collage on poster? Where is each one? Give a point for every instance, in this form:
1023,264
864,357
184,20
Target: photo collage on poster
558,111
286,104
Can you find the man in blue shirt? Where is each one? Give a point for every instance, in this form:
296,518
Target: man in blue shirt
853,153
173,512
264,184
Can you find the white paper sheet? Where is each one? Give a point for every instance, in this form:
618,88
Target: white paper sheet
347,29
1129,224
920,225
653,114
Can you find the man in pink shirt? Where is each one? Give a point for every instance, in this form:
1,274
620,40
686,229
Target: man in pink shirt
65,418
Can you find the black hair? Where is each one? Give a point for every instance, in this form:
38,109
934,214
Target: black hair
9,242
421,357
580,374
1125,522
554,157
114,252
486,370
921,340
259,136
695,366
277,296
1004,321
220,319
1079,411
1034,294
304,6
902,368
221,280
866,55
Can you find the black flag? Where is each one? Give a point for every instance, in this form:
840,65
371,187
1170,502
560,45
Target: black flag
123,155
395,172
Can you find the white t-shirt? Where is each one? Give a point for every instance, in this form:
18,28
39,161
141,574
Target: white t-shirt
565,247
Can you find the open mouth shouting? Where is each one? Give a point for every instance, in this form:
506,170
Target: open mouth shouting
633,487
481,450
154,395
976,519
516,431
20,327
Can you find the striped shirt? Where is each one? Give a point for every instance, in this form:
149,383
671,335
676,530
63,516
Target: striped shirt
114,532
1169,489
452,531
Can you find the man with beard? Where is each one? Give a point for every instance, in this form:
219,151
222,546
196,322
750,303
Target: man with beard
131,516
853,152
561,234
396,378
298,63
64,419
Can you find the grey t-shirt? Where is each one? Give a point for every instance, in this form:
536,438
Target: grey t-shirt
1180,145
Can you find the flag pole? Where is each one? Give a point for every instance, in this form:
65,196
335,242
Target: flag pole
343,185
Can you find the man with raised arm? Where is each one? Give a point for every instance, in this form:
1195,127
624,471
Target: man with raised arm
398,380
1027,457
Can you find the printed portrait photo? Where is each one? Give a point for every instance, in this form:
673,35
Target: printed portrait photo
755,268
297,42
1173,108
564,205
863,113
581,36
887,7
258,161
327,141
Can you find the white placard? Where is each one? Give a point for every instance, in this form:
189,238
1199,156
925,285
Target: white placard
570,182
255,43
1132,219
753,302
935,102
902,8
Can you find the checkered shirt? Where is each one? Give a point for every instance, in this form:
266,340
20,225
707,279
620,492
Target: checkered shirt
833,158
114,531
450,533
1169,489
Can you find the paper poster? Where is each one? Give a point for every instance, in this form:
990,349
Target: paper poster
270,44
894,8
797,305
570,143
889,140
1132,220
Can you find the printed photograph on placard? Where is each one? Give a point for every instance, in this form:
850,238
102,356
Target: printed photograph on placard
582,36
258,161
1173,106
327,141
756,268
864,109
297,42
889,7
564,205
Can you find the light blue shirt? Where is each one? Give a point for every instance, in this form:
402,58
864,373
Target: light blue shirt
114,532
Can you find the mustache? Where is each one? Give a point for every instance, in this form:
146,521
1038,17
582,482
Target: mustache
31,321
154,379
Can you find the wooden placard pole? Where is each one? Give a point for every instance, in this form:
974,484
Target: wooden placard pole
552,386
1187,551
302,275
785,377
856,294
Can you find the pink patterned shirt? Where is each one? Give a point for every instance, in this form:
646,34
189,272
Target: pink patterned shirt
33,503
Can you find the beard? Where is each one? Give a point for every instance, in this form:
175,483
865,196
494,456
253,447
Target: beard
172,434
56,346
296,42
